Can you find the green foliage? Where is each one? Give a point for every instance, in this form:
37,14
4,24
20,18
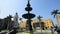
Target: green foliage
55,12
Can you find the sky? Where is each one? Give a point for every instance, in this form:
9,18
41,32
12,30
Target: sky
40,7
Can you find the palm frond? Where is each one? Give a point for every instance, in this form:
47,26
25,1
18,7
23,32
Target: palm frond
39,17
52,13
55,12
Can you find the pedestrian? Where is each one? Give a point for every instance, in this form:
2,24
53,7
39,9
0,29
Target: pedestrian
52,30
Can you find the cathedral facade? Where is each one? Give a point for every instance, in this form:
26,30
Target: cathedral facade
36,23
16,20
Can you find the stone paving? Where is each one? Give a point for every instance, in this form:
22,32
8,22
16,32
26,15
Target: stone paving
38,32
35,32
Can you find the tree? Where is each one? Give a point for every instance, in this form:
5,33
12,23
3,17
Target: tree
7,22
42,25
39,18
55,12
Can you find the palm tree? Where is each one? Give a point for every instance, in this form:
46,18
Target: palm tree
39,18
55,12
42,23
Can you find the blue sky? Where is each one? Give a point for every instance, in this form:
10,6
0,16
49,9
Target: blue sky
40,7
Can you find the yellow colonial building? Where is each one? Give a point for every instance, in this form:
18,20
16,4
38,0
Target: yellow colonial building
58,18
47,23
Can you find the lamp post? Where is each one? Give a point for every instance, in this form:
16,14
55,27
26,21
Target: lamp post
29,16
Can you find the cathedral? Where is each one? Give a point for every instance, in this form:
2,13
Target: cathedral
48,23
16,20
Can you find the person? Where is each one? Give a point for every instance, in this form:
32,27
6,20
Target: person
52,30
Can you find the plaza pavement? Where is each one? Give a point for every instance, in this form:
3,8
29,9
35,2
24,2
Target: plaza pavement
38,32
35,32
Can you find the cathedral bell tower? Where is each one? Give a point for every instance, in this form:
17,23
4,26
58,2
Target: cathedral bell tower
16,20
